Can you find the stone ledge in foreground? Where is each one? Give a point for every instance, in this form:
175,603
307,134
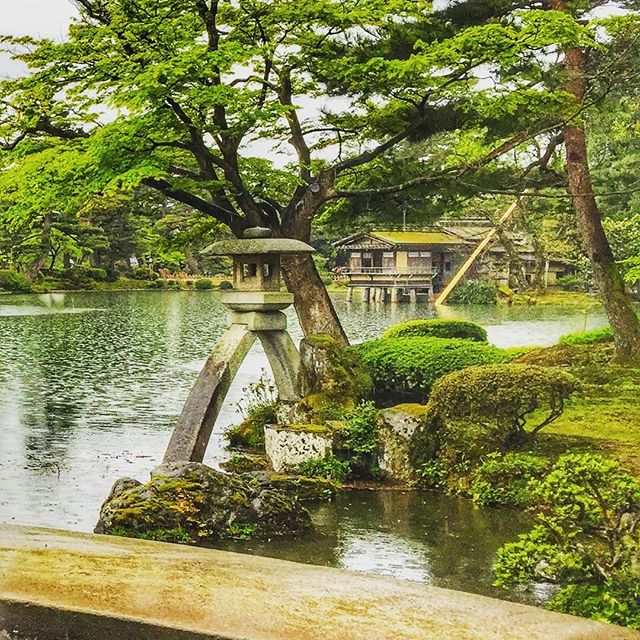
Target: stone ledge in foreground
229,596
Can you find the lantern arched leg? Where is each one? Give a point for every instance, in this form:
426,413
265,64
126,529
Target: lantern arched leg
285,362
195,424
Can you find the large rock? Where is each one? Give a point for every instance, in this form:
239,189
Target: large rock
190,502
401,433
332,382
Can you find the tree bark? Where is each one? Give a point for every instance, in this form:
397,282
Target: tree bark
313,305
617,302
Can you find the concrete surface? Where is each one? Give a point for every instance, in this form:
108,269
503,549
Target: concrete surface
232,596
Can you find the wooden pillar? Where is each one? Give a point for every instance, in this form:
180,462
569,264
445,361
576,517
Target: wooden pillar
365,294
413,295
394,295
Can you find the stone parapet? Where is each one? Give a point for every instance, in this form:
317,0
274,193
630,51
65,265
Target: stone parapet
225,596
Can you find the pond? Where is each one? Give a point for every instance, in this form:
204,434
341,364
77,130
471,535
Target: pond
91,385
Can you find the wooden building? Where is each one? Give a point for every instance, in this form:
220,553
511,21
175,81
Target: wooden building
397,265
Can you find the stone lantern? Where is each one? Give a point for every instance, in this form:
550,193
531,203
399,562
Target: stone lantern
255,307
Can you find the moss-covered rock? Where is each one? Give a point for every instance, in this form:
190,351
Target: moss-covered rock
192,503
402,431
245,462
305,489
333,381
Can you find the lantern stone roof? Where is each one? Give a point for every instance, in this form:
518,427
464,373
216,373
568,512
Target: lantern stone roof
258,246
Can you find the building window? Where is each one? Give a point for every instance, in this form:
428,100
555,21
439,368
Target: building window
388,254
414,254
355,254
425,254
367,255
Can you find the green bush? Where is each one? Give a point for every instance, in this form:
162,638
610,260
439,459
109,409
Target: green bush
204,284
225,285
360,429
144,272
437,329
586,539
258,407
405,369
329,468
573,283
160,283
474,292
588,337
14,282
504,395
503,480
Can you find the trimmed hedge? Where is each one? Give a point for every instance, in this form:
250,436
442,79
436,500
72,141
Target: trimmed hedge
437,329
405,369
588,337
204,284
504,395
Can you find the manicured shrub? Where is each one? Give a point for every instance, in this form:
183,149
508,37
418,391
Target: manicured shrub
588,337
503,480
225,285
160,283
573,283
14,282
474,292
586,540
503,395
204,284
405,369
437,329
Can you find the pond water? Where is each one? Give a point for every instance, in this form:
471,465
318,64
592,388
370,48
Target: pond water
91,385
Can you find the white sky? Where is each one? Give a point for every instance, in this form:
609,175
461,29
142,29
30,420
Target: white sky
48,18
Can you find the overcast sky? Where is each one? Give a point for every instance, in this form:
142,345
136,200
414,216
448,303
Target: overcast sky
39,18
36,17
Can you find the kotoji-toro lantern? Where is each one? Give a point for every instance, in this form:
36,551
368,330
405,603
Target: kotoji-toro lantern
255,307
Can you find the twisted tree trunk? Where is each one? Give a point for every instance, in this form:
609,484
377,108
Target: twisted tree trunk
617,302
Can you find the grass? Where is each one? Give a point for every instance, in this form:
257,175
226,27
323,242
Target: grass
604,417
556,296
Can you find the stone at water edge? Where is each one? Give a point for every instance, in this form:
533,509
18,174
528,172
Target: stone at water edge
191,503
401,433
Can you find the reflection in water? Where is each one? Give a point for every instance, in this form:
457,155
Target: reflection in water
408,535
92,383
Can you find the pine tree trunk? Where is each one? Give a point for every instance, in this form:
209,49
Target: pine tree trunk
312,302
313,305
617,302
610,285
